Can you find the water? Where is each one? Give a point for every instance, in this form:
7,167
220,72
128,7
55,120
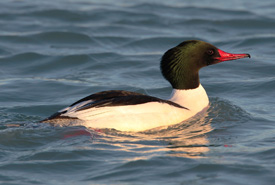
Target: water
53,53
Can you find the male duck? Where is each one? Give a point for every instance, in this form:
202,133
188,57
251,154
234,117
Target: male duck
131,111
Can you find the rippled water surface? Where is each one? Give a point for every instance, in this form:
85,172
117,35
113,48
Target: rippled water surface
53,53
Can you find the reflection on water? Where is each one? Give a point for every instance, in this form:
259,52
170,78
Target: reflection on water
187,139
195,145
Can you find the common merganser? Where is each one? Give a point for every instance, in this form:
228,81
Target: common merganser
131,111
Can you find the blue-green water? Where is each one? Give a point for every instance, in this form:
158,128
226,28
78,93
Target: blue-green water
53,53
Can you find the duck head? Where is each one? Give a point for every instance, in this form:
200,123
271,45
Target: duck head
180,65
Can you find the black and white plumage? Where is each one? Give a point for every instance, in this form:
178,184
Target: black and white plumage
110,98
131,111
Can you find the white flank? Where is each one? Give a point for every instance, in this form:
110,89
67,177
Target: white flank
131,117
143,116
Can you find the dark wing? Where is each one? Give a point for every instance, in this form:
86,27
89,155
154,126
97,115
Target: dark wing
106,95
119,98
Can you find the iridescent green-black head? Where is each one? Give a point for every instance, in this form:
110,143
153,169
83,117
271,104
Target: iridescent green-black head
180,65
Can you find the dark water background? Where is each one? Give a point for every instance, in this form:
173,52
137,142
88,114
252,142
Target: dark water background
53,53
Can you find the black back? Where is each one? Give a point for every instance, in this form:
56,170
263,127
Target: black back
119,98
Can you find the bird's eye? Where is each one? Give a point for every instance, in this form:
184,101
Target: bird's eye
210,52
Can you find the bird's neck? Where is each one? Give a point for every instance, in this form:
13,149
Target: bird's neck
193,99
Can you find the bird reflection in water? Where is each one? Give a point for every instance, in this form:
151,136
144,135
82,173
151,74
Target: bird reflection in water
187,139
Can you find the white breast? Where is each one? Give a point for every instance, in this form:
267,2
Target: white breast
193,99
